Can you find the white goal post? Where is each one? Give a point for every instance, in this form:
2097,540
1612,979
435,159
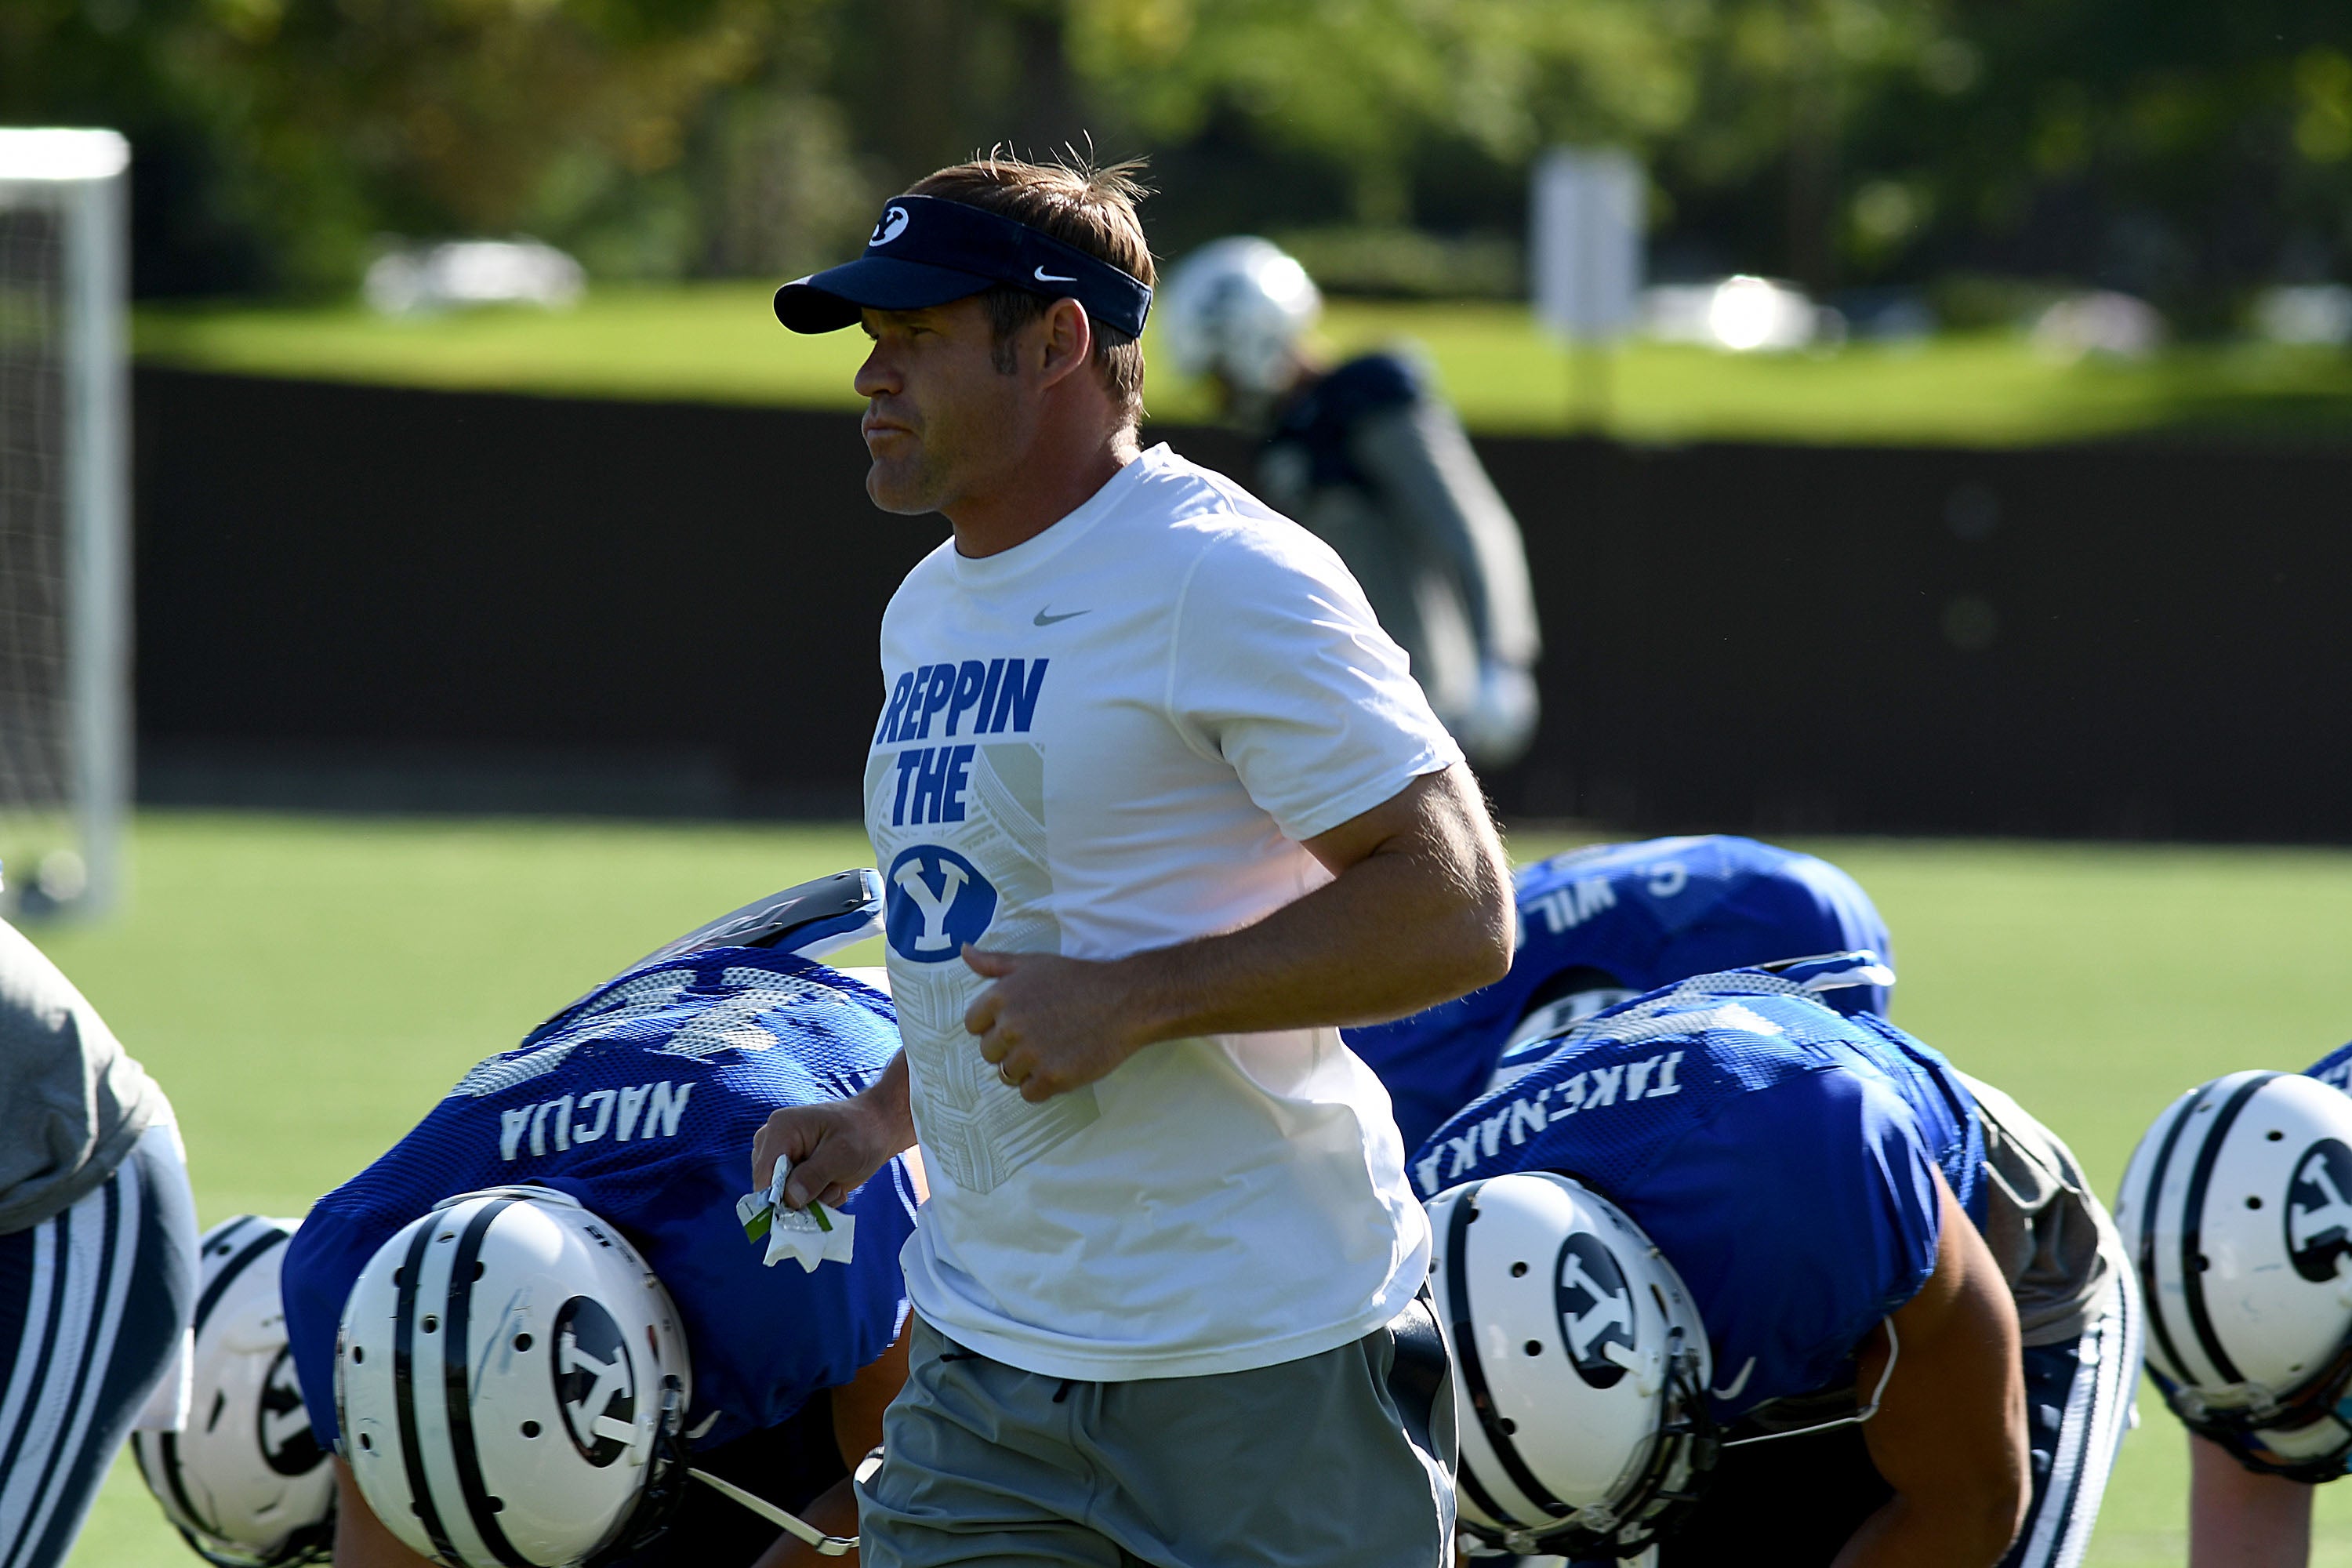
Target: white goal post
65,523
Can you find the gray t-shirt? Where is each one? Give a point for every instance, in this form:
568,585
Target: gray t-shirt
72,1101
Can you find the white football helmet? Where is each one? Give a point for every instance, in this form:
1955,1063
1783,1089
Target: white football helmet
510,1379
2237,1210
1583,1361
1237,307
244,1483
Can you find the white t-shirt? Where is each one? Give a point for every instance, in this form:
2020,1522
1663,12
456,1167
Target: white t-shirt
1110,738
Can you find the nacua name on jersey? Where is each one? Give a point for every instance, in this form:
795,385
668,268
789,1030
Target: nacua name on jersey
1626,916
641,1101
1781,1154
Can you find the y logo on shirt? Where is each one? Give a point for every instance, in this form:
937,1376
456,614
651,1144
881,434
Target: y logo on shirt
936,900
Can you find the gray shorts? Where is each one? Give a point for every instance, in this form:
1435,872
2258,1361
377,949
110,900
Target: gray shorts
1338,1461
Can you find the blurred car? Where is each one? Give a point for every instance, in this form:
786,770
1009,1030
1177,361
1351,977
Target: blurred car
1740,314
2101,321
468,272
2312,314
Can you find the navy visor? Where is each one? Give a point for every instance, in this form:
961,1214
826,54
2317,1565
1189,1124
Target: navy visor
928,251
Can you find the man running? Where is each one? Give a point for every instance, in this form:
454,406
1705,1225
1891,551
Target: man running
1159,805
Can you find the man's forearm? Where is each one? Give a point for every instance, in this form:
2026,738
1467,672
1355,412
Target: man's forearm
1418,911
1395,932
2239,1519
889,1099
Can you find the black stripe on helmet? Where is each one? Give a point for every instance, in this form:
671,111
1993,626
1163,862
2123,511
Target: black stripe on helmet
1467,1479
2149,1214
455,1389
230,1270
404,1394
2193,1228
167,1459
1473,1377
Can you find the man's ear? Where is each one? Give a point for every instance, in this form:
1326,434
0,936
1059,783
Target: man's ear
1064,340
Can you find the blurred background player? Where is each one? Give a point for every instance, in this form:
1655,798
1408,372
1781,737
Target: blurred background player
1603,923
1908,1364
246,1483
98,1256
1370,457
2251,1175
628,1113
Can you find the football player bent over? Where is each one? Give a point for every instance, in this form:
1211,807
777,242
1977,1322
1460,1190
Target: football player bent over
1733,1273
1604,923
540,1329
2237,1211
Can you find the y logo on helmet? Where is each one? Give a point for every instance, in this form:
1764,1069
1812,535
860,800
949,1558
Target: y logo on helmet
893,225
283,1425
2319,1210
1595,1306
595,1382
934,902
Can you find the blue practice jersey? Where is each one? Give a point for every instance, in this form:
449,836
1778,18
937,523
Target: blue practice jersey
641,1100
1781,1154
1321,421
1631,917
2335,1068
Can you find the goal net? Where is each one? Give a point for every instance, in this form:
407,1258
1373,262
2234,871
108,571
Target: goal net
65,701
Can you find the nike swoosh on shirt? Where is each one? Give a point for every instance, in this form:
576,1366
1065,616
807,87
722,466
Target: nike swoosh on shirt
1045,277
1043,619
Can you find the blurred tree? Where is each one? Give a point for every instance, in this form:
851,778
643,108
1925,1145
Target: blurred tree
2183,151
2186,151
326,121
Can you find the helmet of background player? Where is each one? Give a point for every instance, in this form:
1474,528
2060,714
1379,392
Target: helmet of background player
1237,307
2237,1208
244,1483
511,1379
1582,1363
1561,1003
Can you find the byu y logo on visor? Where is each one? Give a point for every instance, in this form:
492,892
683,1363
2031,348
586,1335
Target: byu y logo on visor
938,900
955,252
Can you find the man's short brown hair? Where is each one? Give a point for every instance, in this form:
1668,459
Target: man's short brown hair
1089,208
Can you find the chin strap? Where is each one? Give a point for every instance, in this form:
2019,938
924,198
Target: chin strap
792,1524
1877,1396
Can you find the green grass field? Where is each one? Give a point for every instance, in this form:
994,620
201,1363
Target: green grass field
717,342
306,988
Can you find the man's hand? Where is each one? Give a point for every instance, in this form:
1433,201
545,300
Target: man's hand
835,1147
1050,1024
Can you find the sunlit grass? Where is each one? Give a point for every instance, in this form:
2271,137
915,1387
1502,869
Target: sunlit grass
719,342
305,988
